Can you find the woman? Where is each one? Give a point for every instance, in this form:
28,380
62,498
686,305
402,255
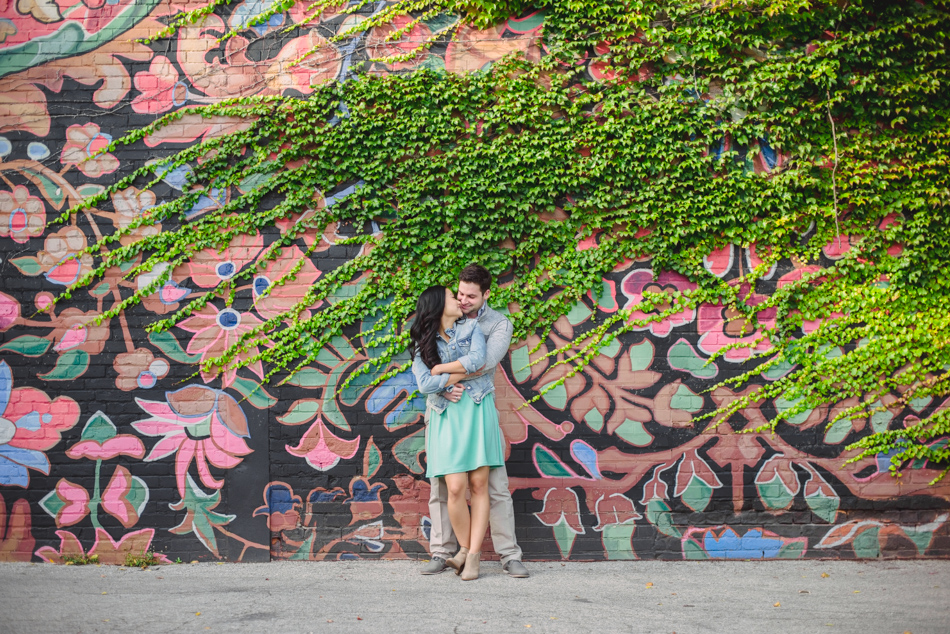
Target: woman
463,440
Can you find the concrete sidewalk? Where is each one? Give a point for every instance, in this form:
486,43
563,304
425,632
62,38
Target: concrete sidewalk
363,596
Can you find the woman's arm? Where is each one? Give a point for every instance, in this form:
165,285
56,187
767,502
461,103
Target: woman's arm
455,367
428,384
475,358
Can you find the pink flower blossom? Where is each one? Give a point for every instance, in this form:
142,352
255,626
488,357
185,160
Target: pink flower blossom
121,445
214,332
160,87
82,142
22,216
270,298
640,281
210,267
196,424
321,448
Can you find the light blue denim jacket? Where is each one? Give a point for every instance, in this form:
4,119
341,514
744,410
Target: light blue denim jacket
467,345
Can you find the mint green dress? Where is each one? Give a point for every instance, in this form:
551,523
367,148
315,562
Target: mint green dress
464,437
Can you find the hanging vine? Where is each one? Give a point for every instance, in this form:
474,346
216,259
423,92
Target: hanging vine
515,166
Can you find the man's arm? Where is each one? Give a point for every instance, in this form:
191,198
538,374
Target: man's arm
499,339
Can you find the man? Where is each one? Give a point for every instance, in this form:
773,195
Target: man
474,288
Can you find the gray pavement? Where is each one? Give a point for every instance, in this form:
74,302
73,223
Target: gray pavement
364,596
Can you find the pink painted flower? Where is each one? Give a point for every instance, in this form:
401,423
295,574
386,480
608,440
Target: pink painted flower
321,448
125,497
76,330
210,267
82,141
16,538
139,369
721,326
9,311
377,45
272,298
68,503
214,332
167,297
22,216
160,88
129,205
120,445
109,551
641,281
59,258
197,424
29,425
560,505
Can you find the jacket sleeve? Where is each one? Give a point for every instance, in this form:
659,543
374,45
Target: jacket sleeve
499,339
427,383
475,358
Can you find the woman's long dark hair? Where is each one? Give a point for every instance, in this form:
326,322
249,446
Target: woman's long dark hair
425,328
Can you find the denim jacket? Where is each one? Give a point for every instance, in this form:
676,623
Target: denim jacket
466,344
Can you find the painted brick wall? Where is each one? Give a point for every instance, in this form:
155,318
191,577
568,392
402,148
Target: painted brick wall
111,444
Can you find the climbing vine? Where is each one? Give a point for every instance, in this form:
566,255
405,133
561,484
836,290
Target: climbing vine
843,105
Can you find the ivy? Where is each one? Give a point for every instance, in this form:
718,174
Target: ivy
845,104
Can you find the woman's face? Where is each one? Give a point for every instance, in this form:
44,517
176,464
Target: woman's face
452,308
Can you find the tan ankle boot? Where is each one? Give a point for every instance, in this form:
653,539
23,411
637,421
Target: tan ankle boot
470,570
458,561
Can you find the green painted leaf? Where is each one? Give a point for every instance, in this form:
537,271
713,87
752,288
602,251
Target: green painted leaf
594,419
549,464
658,514
921,539
53,193
783,405
200,518
686,400
775,494
254,393
824,506
641,355
167,343
408,450
99,428
89,189
634,433
697,494
683,357
28,265
27,345
866,544
101,289
791,550
308,377
578,314
838,431
693,551
556,397
564,535
519,364
70,365
617,541
303,553
52,504
373,458
138,494
302,411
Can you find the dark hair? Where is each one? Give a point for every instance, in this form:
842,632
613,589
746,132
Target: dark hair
476,274
425,328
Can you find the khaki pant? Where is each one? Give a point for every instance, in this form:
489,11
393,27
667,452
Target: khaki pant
442,542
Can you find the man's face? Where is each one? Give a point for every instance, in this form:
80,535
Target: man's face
471,297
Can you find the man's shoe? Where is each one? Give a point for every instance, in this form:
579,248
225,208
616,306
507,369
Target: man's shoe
434,567
515,568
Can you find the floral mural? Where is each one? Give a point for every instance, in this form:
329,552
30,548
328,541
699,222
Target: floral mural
113,441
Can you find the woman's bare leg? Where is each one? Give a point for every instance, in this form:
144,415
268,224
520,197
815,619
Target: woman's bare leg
478,485
456,483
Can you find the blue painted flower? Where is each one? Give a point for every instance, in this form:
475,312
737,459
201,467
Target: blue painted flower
400,387
280,507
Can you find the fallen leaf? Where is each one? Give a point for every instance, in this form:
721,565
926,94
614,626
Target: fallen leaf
650,584
825,575
804,592
104,593
197,613
194,561
857,592
776,605
359,618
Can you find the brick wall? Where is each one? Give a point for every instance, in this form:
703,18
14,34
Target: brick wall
111,443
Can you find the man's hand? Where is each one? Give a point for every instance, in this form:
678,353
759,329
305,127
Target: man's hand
455,393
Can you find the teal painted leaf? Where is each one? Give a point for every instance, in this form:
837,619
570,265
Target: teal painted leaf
578,313
52,504
594,419
697,494
866,544
28,265
693,551
254,393
549,465
634,433
167,343
52,192
303,553
825,507
617,541
556,397
302,411
200,518
519,364
69,365
408,450
838,431
641,355
564,535
775,494
792,550
99,428
921,538
658,514
682,356
308,377
27,345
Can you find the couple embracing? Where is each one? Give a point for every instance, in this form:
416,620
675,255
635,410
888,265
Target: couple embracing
456,343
